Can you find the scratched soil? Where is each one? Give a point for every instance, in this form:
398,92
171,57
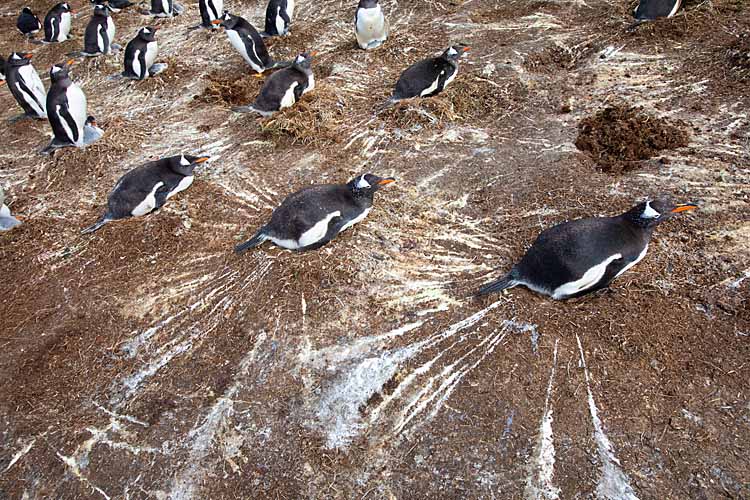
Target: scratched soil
148,361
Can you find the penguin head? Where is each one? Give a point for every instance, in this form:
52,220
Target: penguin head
367,4
101,10
454,52
64,7
185,164
226,21
147,34
18,59
27,10
652,212
368,184
303,62
59,72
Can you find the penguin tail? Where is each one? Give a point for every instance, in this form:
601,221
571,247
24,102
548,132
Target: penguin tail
507,281
253,242
634,25
97,226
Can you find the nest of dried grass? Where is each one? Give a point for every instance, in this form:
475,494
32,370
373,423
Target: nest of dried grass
557,57
228,89
318,118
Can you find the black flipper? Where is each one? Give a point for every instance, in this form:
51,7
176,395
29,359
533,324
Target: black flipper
253,242
142,61
65,115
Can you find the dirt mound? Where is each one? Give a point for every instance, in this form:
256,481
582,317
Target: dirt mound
618,137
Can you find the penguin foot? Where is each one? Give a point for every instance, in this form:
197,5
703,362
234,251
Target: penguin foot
54,145
157,68
259,75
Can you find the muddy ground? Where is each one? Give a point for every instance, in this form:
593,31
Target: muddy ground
148,361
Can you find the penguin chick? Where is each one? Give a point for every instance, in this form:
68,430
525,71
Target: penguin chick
57,23
313,216
278,17
26,86
140,54
7,221
247,41
67,106
579,257
148,187
429,77
284,88
370,25
100,33
28,24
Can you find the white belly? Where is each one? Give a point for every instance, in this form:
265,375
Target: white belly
217,10
370,25
100,41
290,9
288,98
165,6
279,22
310,84
137,63
111,30
77,107
433,87
34,84
636,261
309,237
148,203
182,186
359,218
589,279
152,51
239,45
64,27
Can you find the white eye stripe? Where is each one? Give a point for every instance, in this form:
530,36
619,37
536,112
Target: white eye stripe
649,212
362,183
452,51
183,161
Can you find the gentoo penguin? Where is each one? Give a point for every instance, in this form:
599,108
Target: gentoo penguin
278,17
28,23
313,216
100,33
649,10
140,54
57,23
246,40
370,25
114,6
429,77
7,221
284,88
582,256
210,11
165,8
26,86
2,71
148,187
66,109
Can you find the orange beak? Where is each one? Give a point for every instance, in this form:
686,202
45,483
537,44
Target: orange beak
314,53
70,62
28,56
383,182
466,49
217,21
202,159
684,208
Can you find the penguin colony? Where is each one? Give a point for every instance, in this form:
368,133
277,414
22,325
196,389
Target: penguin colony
568,260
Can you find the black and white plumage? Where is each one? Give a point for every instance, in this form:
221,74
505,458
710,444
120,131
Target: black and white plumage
57,23
114,6
27,23
140,54
371,28
66,109
284,88
100,33
648,10
313,216
165,8
211,10
582,256
278,17
429,77
2,71
148,187
7,221
247,41
25,85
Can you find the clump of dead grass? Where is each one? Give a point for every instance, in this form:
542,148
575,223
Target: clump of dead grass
557,57
232,90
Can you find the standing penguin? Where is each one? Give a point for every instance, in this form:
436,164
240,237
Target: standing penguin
165,8
370,25
278,17
429,77
100,33
284,88
7,221
210,11
246,40
26,86
27,23
582,256
66,109
57,23
148,187
140,54
313,216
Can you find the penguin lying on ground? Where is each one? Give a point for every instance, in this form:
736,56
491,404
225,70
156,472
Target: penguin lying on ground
429,77
165,8
313,216
248,42
370,25
582,256
7,221
211,11
27,23
66,111
100,33
278,17
649,10
283,88
140,54
26,86
114,6
148,187
57,23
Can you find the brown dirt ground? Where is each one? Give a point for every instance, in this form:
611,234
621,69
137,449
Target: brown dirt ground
148,361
